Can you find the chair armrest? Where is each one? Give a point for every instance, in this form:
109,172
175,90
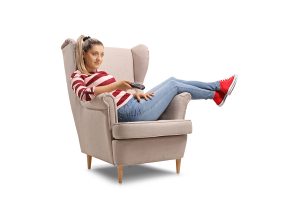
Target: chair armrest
103,102
100,102
177,107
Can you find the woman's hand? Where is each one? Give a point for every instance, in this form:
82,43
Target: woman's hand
146,96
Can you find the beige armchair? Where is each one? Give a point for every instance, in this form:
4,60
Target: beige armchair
128,143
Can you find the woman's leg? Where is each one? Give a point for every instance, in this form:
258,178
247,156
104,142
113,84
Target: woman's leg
213,86
163,95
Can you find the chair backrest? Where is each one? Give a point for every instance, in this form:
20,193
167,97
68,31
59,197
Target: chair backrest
123,64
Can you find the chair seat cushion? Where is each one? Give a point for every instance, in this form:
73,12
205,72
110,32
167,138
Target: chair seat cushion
146,129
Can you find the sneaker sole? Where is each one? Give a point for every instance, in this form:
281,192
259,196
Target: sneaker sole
221,104
232,85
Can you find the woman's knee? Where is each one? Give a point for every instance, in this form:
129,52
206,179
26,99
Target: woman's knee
172,78
172,82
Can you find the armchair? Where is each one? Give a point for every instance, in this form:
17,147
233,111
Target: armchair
128,143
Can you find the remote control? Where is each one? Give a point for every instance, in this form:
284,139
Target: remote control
137,85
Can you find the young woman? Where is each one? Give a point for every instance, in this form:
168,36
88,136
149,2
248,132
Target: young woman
88,82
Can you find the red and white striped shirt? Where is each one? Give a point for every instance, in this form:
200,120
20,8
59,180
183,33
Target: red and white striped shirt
84,86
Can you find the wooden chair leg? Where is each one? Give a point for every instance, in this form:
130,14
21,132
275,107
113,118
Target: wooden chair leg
178,162
120,173
89,161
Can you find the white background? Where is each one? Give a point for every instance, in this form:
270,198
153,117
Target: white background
247,149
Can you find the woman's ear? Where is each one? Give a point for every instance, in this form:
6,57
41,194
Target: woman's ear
83,55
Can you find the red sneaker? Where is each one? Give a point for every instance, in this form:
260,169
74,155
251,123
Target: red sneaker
227,85
219,98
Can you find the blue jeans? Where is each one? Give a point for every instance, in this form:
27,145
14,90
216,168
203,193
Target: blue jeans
163,94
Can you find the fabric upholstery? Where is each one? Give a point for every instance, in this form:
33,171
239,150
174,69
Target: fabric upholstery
119,63
147,129
101,136
177,108
138,151
140,56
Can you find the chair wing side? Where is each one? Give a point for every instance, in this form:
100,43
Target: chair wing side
177,108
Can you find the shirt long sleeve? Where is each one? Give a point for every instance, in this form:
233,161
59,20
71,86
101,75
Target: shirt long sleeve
84,86
81,90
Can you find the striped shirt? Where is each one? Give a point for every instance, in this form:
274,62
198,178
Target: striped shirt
84,86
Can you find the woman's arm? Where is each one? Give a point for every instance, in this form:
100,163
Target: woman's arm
78,86
88,93
122,85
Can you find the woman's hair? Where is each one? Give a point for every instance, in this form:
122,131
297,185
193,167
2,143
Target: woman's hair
84,43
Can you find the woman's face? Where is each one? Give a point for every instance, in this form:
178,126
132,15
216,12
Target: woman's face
93,57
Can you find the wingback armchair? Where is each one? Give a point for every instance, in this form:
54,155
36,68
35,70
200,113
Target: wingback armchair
126,143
